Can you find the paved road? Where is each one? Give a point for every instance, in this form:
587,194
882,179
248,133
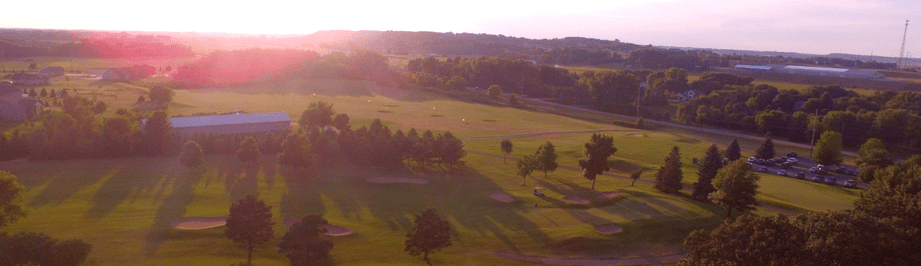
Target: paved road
663,123
562,261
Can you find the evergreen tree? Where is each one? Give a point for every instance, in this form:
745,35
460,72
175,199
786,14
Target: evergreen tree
546,158
429,235
450,149
595,156
250,224
734,152
735,188
668,178
53,94
304,243
32,93
157,131
828,148
766,150
43,93
706,171
506,148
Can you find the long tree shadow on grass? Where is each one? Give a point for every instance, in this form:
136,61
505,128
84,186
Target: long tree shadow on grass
302,196
125,184
63,185
462,198
173,207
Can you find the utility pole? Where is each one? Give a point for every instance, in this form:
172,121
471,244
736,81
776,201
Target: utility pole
902,51
815,123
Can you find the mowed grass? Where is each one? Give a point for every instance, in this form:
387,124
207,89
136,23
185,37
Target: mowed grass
123,206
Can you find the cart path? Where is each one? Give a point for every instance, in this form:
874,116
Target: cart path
527,135
562,261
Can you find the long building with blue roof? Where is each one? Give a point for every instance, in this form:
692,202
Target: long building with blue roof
229,124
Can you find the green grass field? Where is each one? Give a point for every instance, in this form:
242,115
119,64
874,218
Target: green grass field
124,206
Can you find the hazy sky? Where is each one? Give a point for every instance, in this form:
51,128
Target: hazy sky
812,26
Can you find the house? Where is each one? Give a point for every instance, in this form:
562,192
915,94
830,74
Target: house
13,106
25,79
115,74
51,72
689,94
238,123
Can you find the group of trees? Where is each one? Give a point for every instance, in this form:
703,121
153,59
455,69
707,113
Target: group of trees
894,117
240,67
368,144
13,146
94,47
31,248
882,229
544,159
250,225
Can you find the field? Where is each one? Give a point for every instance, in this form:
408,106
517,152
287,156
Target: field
124,206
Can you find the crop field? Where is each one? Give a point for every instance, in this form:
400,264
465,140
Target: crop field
124,206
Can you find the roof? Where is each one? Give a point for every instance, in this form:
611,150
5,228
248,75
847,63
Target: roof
214,120
754,67
820,69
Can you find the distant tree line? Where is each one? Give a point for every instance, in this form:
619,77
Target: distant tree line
239,67
96,48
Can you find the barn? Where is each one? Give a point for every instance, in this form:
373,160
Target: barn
238,123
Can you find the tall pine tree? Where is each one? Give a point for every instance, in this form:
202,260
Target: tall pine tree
734,152
668,178
766,150
546,158
706,170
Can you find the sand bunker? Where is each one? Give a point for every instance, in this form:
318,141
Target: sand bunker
609,194
636,135
608,229
501,196
397,180
576,199
198,223
331,230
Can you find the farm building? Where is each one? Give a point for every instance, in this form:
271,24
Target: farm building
51,72
24,79
13,106
229,124
816,71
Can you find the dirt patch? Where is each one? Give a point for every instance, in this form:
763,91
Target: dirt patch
198,223
331,230
608,229
576,199
397,180
501,196
609,194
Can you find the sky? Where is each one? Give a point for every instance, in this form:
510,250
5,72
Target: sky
808,26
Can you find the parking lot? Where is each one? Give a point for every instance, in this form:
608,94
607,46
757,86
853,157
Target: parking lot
803,165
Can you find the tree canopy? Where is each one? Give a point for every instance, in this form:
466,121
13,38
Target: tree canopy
828,149
546,158
304,243
766,150
706,171
250,224
733,151
429,234
318,114
10,199
506,147
595,156
668,178
735,188
192,156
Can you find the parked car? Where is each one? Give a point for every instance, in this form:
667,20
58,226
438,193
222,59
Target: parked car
752,159
849,184
750,165
830,180
817,178
763,169
782,173
792,154
786,165
801,175
792,160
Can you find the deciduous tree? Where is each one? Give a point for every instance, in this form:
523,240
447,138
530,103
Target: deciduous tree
304,243
192,156
318,114
250,224
249,150
525,166
595,156
429,234
494,91
10,199
828,148
668,178
735,188
294,152
157,131
506,146
635,175
546,158
160,94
